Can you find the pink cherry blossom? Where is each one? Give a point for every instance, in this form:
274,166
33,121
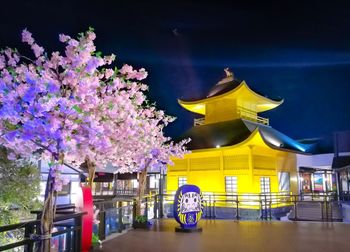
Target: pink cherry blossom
27,37
68,108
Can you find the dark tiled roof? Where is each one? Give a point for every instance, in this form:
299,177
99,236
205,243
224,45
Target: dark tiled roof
224,87
219,89
232,132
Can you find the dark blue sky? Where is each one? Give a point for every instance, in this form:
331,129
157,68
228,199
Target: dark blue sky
298,51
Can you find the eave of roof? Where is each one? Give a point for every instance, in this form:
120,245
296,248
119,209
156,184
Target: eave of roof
237,132
198,106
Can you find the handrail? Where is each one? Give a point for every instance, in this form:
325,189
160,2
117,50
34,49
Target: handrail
30,227
251,115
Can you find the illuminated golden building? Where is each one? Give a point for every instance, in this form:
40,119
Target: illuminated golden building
233,149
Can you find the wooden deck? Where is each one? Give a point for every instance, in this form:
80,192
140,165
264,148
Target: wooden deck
242,236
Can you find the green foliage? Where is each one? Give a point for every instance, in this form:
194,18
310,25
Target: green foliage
76,108
95,239
19,190
141,219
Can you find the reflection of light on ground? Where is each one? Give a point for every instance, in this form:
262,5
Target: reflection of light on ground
246,236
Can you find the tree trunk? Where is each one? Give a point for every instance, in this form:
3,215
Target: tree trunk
141,190
91,170
47,215
49,210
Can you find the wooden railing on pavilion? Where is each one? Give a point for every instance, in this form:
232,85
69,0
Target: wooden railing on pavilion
251,116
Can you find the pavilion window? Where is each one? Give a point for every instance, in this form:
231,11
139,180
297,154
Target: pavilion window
265,185
284,181
231,184
344,181
182,181
153,181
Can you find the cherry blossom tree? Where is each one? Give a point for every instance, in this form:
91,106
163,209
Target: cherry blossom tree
76,108
49,107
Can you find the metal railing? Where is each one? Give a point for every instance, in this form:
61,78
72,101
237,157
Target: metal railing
66,237
132,191
113,217
266,206
242,113
251,116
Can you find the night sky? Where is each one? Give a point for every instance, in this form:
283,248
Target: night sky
300,52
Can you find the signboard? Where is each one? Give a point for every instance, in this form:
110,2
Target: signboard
318,182
306,182
188,206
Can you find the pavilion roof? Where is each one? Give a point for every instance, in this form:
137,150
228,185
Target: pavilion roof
238,131
231,89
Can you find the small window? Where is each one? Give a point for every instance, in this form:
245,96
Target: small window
284,181
265,184
153,181
182,181
230,184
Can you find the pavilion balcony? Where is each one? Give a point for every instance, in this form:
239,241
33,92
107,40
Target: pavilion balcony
251,116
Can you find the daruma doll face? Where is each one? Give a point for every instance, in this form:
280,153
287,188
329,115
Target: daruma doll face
190,202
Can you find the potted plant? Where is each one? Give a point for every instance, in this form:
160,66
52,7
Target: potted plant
141,222
96,243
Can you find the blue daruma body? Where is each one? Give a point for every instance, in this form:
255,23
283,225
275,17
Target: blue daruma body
188,206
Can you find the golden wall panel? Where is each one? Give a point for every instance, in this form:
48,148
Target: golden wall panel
264,172
179,165
263,162
236,162
205,164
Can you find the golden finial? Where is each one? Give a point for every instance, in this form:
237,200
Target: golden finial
228,72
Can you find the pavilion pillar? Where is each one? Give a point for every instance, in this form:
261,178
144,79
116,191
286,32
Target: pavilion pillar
251,165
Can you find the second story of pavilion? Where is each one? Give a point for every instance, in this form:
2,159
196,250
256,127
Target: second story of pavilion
231,99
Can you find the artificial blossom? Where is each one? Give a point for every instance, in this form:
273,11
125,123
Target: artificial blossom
75,107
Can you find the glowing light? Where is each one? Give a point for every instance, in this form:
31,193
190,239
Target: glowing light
218,146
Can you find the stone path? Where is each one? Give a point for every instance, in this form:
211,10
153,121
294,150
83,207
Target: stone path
242,236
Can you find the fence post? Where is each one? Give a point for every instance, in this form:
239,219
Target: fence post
120,217
102,225
161,201
78,232
261,207
295,209
134,210
209,206
214,209
155,207
237,215
29,229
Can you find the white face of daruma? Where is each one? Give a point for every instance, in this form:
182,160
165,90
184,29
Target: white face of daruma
190,202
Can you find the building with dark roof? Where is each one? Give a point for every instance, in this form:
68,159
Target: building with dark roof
233,149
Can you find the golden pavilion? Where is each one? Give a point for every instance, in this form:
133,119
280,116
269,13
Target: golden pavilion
233,149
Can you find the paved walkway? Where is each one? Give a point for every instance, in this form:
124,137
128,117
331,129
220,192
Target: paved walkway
243,236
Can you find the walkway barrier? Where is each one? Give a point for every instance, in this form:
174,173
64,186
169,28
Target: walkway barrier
113,217
266,206
23,236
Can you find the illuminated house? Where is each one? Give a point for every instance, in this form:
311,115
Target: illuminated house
233,149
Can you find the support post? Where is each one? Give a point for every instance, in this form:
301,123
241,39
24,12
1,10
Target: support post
78,232
134,210
102,225
120,217
29,229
